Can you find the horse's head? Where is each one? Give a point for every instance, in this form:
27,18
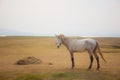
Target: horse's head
59,39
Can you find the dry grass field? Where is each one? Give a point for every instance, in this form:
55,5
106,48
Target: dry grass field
56,63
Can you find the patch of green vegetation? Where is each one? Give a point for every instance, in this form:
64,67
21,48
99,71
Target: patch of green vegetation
65,74
84,75
111,46
60,75
116,47
30,77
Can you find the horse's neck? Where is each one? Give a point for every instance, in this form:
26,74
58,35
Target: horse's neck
66,41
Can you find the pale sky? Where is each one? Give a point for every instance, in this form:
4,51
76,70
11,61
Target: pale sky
70,17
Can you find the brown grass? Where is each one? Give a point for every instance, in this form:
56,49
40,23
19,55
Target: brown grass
44,48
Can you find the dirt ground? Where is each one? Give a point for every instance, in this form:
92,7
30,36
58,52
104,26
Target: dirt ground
54,60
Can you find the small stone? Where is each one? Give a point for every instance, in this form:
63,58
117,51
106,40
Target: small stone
50,63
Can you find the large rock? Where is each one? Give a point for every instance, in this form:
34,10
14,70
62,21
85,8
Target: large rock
28,60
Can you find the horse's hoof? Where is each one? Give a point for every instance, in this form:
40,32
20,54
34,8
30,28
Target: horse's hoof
98,68
89,68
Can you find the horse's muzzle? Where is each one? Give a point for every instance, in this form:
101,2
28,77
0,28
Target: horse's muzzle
57,46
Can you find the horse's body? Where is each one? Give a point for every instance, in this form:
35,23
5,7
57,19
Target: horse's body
80,45
76,45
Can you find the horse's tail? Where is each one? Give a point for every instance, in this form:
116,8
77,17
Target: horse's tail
98,47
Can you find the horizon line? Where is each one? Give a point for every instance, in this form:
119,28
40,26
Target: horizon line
51,36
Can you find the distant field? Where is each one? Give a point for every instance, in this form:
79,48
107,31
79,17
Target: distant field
44,48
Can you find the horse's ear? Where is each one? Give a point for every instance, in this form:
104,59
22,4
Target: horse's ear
56,35
62,36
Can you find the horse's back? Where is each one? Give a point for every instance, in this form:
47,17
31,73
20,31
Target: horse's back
87,40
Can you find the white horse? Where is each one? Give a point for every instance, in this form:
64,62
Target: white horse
79,45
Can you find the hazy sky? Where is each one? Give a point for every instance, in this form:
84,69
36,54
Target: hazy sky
71,17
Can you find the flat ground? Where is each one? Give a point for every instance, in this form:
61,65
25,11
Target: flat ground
56,63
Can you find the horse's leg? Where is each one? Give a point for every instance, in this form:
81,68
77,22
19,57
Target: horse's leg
97,58
72,59
91,59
